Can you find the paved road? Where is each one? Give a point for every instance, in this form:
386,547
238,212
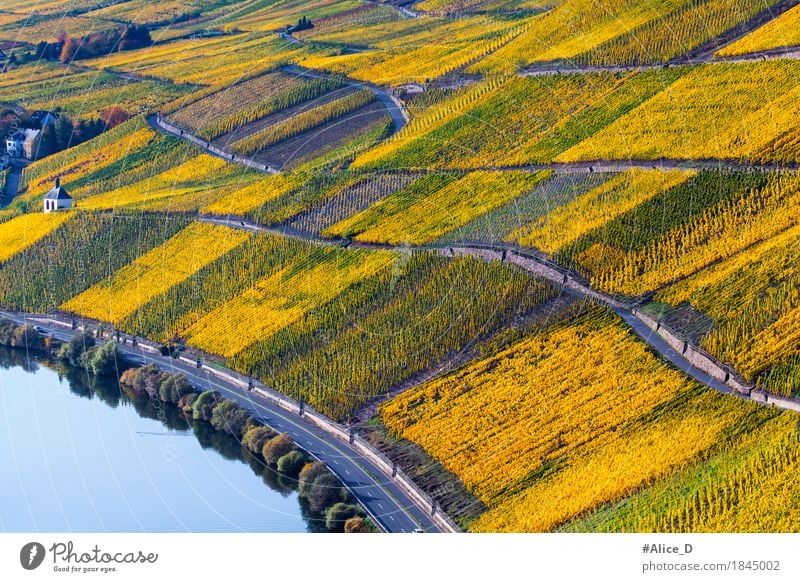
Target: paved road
666,352
388,505
13,181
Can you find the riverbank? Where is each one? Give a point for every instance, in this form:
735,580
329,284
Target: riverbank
213,419
392,500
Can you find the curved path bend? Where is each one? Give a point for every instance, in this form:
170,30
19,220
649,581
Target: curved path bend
652,333
393,105
387,504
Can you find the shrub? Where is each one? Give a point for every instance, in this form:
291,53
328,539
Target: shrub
276,447
25,336
308,475
130,377
338,514
7,329
291,463
229,417
356,525
186,402
325,491
103,361
203,407
74,348
256,437
174,387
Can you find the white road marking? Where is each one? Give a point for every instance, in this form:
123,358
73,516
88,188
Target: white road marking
391,517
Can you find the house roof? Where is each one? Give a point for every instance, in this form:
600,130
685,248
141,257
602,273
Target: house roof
41,114
57,192
23,134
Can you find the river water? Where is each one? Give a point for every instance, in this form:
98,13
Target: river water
79,455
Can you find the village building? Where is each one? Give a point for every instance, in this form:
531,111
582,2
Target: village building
23,143
41,118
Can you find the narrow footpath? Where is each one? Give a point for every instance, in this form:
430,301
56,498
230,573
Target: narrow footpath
691,360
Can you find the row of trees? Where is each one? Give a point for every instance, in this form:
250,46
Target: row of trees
81,351
316,484
65,133
67,49
321,489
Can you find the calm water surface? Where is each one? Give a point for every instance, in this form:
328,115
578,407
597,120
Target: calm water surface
78,455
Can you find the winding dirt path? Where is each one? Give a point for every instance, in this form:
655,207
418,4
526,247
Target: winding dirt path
712,374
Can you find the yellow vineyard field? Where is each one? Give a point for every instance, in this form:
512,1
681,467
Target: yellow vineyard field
714,111
499,424
200,176
715,234
573,28
441,210
21,232
156,271
784,31
251,197
419,54
566,224
71,168
283,298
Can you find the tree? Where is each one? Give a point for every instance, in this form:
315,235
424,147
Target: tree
25,336
103,361
7,329
291,463
48,143
356,525
308,475
256,437
173,388
134,37
203,407
113,116
276,447
151,380
63,130
74,348
229,417
68,50
337,514
325,491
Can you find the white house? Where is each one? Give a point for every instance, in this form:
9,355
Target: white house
23,143
57,198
